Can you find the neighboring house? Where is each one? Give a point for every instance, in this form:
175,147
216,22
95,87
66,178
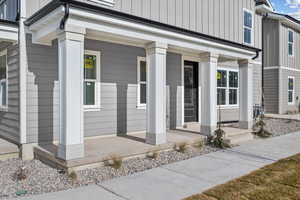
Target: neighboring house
80,69
282,63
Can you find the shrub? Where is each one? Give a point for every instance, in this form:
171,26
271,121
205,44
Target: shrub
153,154
115,161
181,147
21,173
199,144
260,126
218,139
73,176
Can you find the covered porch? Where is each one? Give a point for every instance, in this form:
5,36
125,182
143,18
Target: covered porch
79,26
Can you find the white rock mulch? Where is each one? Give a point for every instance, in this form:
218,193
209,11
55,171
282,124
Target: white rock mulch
278,127
43,179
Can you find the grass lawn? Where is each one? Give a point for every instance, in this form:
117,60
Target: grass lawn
279,181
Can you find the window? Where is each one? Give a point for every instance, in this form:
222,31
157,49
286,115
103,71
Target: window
91,80
291,43
291,90
142,82
3,79
227,87
248,25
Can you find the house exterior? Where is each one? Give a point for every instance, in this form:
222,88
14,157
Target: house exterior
95,68
282,63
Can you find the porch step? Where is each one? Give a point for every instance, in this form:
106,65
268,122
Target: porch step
238,137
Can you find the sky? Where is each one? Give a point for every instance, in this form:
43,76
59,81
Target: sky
291,7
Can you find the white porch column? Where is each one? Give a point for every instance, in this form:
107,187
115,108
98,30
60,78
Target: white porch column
209,93
156,93
70,53
246,94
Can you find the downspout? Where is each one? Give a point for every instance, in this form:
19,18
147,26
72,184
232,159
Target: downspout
65,18
265,16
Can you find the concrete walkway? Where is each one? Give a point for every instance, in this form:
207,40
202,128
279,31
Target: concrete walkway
185,178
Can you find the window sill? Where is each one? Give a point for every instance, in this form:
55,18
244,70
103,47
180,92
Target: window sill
92,109
141,107
227,107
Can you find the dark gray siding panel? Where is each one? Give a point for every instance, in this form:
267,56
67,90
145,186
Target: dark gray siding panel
219,18
271,43
9,120
271,87
42,93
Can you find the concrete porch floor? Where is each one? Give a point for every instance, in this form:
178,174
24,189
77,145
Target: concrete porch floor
98,150
8,150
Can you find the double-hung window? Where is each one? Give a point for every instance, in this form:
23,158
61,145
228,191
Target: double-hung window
141,82
248,26
291,90
3,79
291,43
91,80
227,87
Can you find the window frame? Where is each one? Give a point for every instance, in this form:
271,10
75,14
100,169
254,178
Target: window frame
97,105
293,43
5,107
251,29
227,88
139,82
293,91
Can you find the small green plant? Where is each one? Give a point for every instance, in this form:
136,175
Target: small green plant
73,176
199,144
181,147
115,161
218,139
259,128
153,154
21,173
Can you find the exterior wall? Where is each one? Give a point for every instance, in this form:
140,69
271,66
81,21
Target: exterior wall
285,107
9,119
119,113
223,19
271,44
285,59
271,87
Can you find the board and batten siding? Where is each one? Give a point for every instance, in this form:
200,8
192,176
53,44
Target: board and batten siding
271,90
118,114
9,119
219,18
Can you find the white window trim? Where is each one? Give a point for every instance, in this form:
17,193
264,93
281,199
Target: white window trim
227,105
4,108
140,105
293,43
293,102
252,32
97,105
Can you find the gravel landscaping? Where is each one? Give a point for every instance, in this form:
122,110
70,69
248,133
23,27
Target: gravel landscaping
280,127
42,179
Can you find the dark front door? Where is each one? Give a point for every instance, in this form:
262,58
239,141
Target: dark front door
190,91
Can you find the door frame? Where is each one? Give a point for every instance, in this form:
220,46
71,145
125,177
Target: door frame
191,59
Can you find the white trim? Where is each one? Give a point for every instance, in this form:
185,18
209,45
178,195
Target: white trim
104,2
293,43
97,105
227,88
5,107
182,90
293,97
281,67
252,28
138,100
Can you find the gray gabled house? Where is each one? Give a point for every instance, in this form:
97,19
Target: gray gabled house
88,68
282,63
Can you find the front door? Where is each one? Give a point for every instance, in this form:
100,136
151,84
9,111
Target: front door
190,91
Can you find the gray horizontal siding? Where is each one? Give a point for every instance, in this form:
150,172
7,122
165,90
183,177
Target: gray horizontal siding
271,90
220,18
9,120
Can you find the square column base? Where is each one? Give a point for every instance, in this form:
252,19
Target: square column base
156,139
69,152
246,124
208,130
